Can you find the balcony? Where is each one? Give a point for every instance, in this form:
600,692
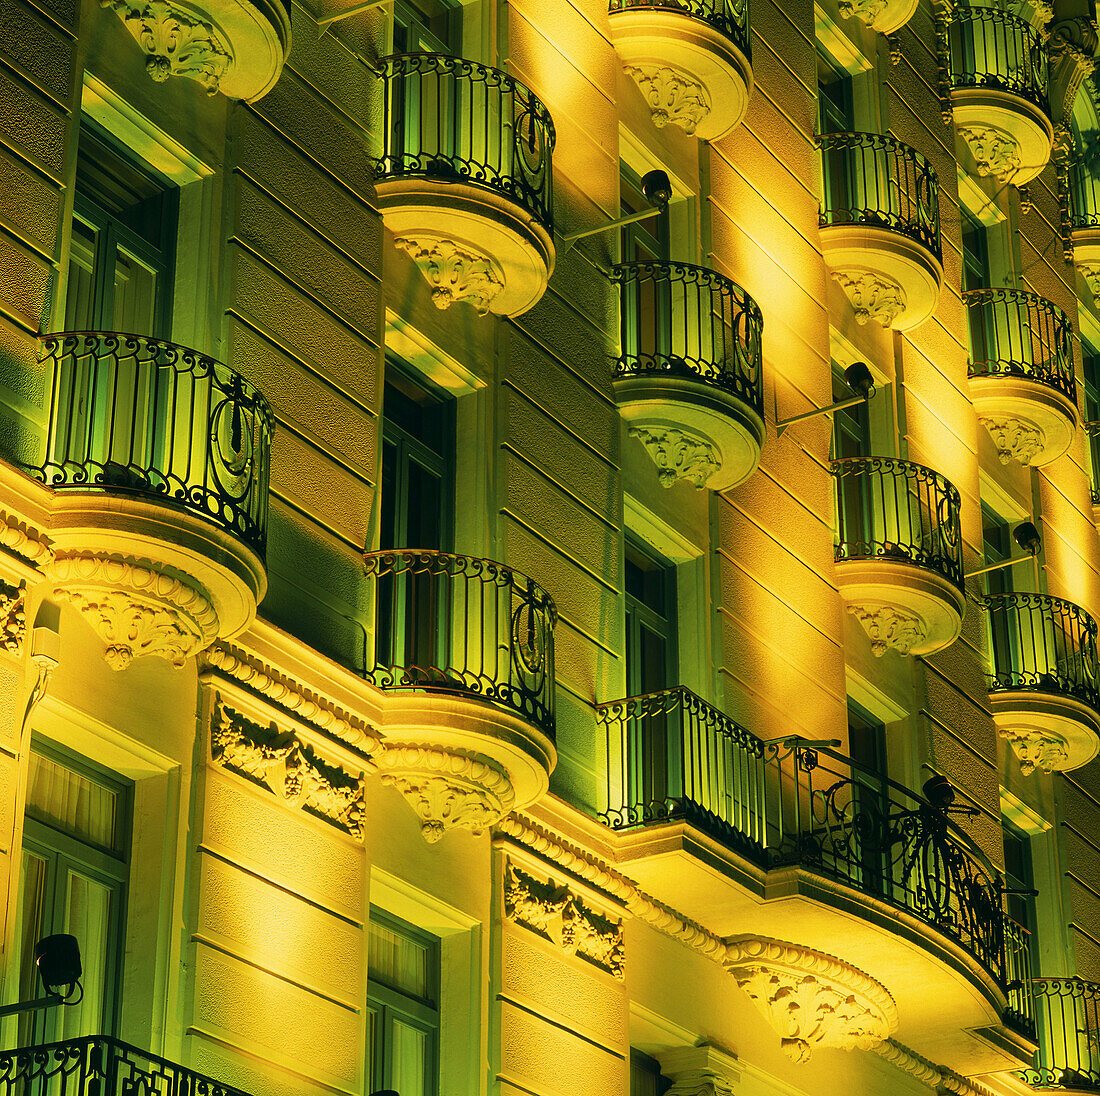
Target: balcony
158,459
691,60
1068,1015
1083,222
880,227
899,553
464,651
997,82
1043,688
464,181
1022,383
236,47
828,854
97,1065
689,378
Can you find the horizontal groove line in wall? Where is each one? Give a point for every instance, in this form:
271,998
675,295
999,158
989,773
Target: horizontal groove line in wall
28,82
1080,788
1082,837
29,165
302,512
50,17
559,550
604,397
290,69
730,215
826,520
577,10
990,766
22,241
1073,877
309,367
1077,927
555,482
549,1020
573,626
508,383
344,463
788,720
19,321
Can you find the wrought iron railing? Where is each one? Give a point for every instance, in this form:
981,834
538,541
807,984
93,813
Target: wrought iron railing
894,509
1068,1028
1042,644
456,624
456,121
679,320
671,756
97,1065
872,179
1084,191
1021,1011
1013,333
989,48
730,17
140,415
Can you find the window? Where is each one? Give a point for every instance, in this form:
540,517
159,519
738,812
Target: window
646,301
650,621
870,792
997,546
975,253
1020,877
427,26
1091,375
123,243
835,105
645,1075
851,425
403,978
73,877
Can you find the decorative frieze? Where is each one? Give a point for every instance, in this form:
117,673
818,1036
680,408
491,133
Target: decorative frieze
887,627
291,769
995,152
812,1000
671,95
454,273
556,913
1035,750
678,455
175,41
12,623
872,296
1015,439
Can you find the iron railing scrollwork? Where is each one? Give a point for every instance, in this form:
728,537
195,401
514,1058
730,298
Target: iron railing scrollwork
458,624
1083,199
680,320
989,48
453,120
873,179
1068,1027
1043,644
97,1065
141,415
894,509
729,17
1013,333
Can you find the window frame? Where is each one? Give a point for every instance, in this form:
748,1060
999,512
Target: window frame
638,616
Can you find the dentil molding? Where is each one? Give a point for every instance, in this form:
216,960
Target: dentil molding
447,789
671,95
560,916
889,627
454,273
1035,750
995,152
134,608
291,769
812,1000
872,296
678,455
174,41
1015,439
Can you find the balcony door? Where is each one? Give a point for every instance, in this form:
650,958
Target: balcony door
868,850
646,302
1090,370
836,114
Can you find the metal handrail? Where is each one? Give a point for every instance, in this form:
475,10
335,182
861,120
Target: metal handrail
98,1065
131,414
681,320
730,17
1013,333
456,121
893,509
1068,1028
873,179
1043,644
458,624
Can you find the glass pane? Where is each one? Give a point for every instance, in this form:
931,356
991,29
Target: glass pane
398,962
135,295
29,929
73,803
409,1068
373,1050
425,501
87,917
78,294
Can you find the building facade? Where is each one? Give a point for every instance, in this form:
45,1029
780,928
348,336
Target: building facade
551,547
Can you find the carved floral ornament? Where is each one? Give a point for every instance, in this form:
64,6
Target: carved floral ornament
872,296
12,623
995,152
558,915
866,11
279,761
1015,439
811,999
672,96
1091,273
889,627
1035,750
678,455
454,273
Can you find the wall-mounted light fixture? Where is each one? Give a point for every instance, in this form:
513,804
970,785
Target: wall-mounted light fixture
657,189
58,961
1027,537
859,380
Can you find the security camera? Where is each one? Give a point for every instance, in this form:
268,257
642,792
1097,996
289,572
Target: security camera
1027,537
859,380
58,961
657,188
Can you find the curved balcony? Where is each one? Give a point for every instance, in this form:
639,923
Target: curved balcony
158,457
689,380
880,227
997,74
1022,383
691,59
1043,685
464,180
820,849
1068,1022
1084,222
464,650
236,47
899,553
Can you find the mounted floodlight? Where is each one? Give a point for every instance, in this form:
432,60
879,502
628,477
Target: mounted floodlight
657,189
858,378
1027,537
58,961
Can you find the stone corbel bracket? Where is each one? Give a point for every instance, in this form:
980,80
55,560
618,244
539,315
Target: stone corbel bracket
454,271
1035,750
704,1070
12,622
811,999
890,627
